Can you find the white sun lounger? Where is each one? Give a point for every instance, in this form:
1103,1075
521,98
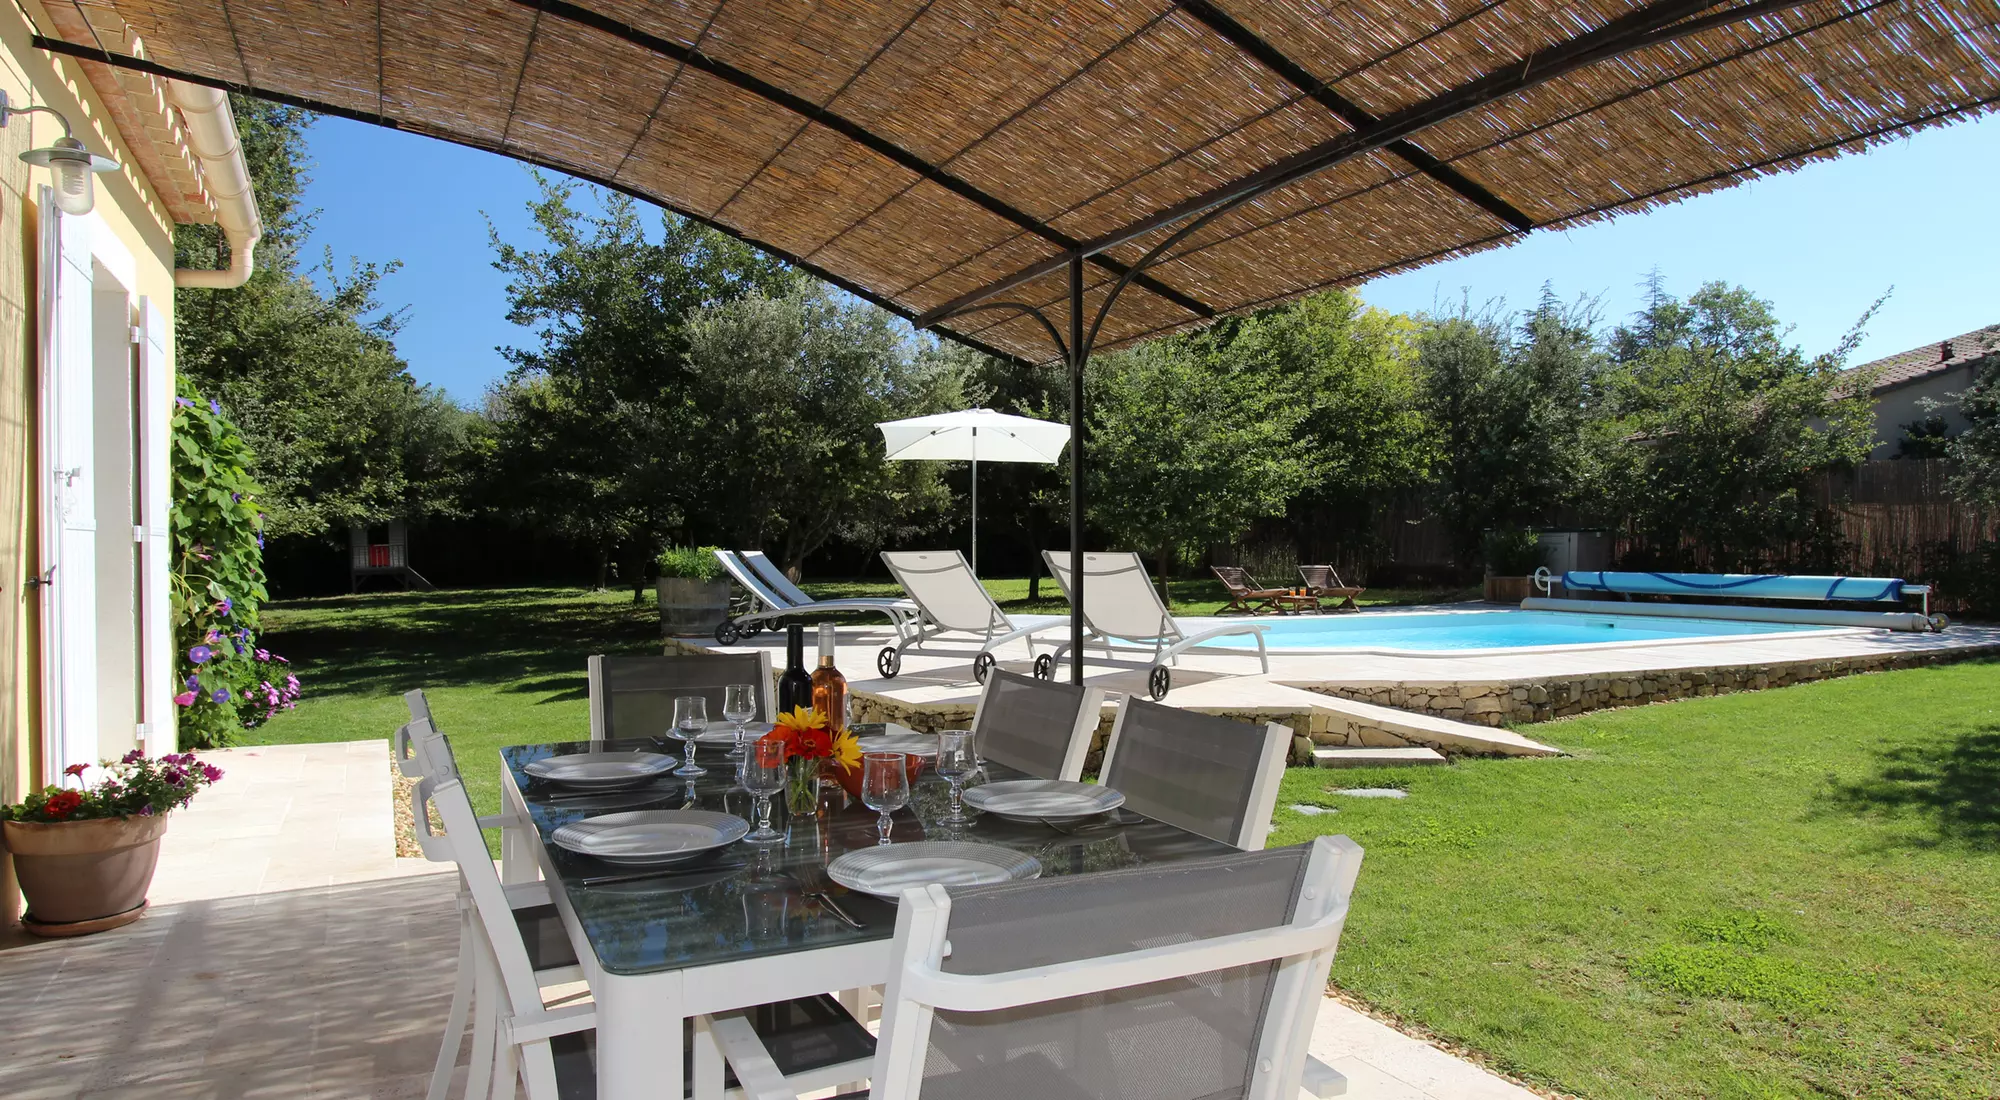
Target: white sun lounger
779,602
951,601
1122,610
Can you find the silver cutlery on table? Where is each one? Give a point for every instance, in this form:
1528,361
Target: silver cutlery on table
833,907
657,873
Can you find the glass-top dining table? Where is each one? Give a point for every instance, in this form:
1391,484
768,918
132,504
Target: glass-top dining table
749,930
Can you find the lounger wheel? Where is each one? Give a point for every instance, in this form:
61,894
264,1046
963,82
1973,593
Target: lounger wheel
1045,667
889,662
1158,681
981,665
727,632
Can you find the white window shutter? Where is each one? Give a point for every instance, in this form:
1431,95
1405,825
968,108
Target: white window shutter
156,631
68,517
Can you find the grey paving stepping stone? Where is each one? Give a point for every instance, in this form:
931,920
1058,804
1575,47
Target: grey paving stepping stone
1313,811
1369,792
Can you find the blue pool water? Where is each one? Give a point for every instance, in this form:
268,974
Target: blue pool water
1493,630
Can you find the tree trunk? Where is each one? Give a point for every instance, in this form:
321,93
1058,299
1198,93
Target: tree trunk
1166,593
603,566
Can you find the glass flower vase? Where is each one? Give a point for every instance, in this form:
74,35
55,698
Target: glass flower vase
802,787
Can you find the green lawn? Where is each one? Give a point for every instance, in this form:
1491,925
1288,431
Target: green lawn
1788,893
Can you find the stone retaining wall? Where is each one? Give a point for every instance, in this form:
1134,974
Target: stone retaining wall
1498,703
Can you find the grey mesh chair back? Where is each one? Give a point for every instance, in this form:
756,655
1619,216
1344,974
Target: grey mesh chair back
1214,776
634,696
1197,980
1036,726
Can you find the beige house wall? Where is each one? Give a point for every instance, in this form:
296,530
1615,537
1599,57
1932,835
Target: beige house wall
132,211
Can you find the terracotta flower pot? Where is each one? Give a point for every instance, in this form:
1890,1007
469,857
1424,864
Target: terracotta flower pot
84,876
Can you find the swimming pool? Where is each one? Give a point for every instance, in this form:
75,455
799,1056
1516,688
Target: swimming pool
1451,632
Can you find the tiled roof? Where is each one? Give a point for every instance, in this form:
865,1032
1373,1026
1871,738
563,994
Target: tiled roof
1928,359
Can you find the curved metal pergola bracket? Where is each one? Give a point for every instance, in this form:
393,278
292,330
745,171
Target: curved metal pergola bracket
1055,337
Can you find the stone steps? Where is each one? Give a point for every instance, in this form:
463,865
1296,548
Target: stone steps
1376,758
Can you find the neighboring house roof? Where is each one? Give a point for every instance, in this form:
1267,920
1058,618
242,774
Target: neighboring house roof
139,108
1921,362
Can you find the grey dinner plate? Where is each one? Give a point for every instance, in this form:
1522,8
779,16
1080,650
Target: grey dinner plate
650,838
885,871
1043,799
600,770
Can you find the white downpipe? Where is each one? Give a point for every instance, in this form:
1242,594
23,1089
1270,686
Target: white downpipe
212,136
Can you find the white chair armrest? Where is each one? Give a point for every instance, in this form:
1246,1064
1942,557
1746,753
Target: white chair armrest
1322,1080
747,1058
550,1022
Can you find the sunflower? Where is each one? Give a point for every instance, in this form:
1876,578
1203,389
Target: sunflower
846,751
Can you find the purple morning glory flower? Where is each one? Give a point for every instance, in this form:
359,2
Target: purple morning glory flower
263,654
225,607
215,406
193,681
221,695
184,402
200,654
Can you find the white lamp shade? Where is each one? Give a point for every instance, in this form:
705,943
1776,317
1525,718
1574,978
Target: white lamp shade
74,191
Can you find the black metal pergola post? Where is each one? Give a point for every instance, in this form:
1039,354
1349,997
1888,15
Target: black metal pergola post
1079,353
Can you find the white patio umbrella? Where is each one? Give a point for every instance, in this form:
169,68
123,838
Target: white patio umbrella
975,435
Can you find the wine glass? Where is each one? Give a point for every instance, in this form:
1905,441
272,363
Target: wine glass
763,775
690,719
739,705
885,787
955,761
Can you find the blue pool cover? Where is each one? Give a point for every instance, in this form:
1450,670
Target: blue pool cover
1761,586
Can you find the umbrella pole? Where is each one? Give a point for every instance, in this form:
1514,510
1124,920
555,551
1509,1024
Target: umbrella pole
975,502
1077,354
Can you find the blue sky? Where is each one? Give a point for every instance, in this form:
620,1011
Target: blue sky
1820,243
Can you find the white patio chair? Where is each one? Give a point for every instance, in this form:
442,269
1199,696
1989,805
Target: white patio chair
552,1050
633,696
952,601
1182,981
1036,726
538,927
768,585
400,747
1209,775
1122,610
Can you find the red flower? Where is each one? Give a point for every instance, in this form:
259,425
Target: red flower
75,769
62,804
813,744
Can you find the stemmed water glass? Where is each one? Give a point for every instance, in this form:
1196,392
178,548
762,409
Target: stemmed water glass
690,719
885,787
955,761
739,705
763,775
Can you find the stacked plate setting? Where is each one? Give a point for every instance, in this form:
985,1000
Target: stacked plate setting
1043,800
651,838
600,771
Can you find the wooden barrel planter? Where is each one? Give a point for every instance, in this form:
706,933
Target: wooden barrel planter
84,876
1508,589
690,606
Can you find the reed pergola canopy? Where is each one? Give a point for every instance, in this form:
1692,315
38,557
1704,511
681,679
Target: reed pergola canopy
950,159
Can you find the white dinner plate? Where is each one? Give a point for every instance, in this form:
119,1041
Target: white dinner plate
722,733
909,744
886,870
650,838
600,770
1043,799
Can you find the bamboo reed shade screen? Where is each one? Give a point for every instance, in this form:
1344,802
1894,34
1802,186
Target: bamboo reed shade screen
914,150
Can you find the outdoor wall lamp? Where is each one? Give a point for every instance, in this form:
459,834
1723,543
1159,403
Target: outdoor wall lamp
68,161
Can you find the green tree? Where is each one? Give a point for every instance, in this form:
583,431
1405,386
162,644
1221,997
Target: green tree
791,388
1977,450
311,375
600,433
1719,426
1030,496
1186,448
1510,409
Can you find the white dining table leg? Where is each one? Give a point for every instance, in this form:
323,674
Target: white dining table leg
707,1062
639,1020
